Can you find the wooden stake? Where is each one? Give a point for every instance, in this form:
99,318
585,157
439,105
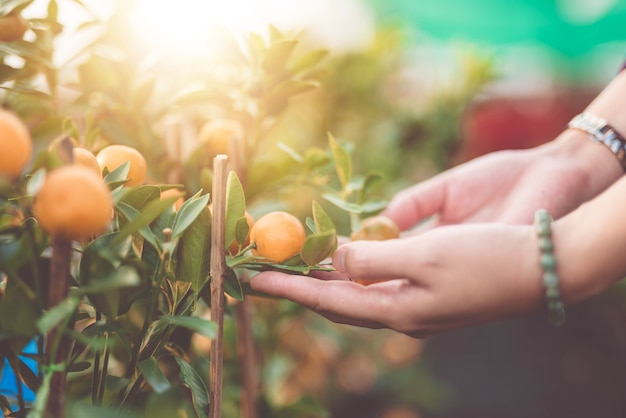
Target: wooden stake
218,267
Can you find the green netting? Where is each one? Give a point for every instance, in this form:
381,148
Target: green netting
567,27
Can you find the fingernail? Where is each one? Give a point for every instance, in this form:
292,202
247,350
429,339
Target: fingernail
339,260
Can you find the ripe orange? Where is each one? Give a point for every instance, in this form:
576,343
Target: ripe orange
375,228
234,246
74,203
12,27
114,156
277,236
86,158
16,145
220,135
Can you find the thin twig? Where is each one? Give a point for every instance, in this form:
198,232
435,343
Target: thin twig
58,290
218,267
246,353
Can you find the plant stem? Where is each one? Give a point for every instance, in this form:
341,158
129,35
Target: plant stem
58,346
247,360
103,375
95,378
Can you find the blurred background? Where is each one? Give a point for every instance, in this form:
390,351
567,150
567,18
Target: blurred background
415,87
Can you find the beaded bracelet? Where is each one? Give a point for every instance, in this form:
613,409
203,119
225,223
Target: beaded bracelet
543,227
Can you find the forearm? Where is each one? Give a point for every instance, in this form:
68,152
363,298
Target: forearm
590,244
596,158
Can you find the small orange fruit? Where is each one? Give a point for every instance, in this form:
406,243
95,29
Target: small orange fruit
86,158
277,236
12,27
74,203
114,156
234,246
16,145
174,192
376,228
220,135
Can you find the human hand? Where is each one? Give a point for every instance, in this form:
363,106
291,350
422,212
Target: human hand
445,278
508,186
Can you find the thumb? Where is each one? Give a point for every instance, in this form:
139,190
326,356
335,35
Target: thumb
374,260
417,203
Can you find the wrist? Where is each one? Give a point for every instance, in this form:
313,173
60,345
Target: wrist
611,102
596,161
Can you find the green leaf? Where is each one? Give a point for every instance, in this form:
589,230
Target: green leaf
232,286
124,276
14,254
308,60
188,213
235,208
138,197
276,56
371,179
58,313
275,34
35,182
118,176
323,223
80,366
19,310
83,409
199,392
302,270
374,206
192,323
242,229
318,247
342,204
291,152
149,213
29,51
290,88
153,375
39,406
343,164
256,45
193,253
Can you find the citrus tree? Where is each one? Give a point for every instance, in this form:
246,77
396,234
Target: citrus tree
134,208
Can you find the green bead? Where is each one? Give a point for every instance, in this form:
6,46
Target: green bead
550,279
542,215
555,305
545,244
553,293
548,262
543,229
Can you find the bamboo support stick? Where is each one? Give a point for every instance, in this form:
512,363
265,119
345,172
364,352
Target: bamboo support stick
218,267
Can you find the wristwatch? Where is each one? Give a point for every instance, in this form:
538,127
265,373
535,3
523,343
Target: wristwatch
601,132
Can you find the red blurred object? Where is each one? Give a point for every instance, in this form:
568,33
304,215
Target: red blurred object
499,123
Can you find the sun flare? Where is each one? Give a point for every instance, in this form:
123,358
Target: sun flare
185,27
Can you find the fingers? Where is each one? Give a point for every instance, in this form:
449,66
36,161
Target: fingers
416,203
376,260
340,301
